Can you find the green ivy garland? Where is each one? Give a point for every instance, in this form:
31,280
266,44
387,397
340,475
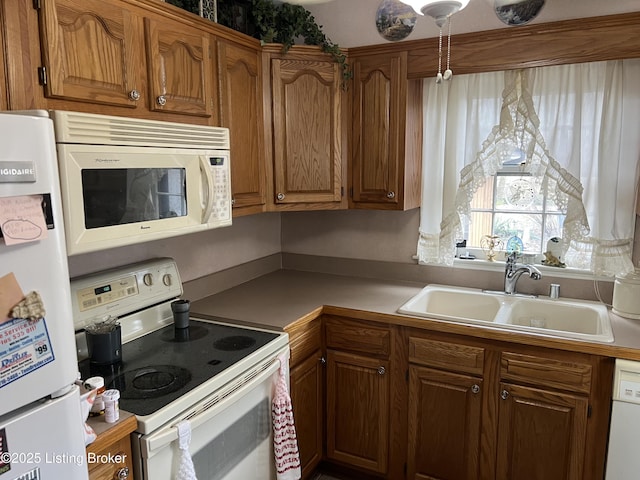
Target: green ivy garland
281,23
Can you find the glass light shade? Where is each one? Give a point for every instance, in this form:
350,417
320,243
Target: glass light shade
439,10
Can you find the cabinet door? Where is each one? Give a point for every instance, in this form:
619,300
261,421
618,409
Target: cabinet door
541,434
179,68
307,130
120,468
444,425
377,130
358,410
386,147
92,50
241,112
307,394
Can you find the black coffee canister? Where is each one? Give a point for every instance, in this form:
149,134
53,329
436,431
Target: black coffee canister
180,309
105,348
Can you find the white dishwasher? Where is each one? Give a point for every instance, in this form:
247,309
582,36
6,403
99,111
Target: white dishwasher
623,458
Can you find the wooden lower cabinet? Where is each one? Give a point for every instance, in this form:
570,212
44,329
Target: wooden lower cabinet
492,410
444,425
423,405
307,395
541,434
358,410
109,457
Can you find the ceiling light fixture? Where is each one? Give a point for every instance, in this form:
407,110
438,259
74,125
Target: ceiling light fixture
440,11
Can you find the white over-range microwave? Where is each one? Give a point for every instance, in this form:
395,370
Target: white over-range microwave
127,180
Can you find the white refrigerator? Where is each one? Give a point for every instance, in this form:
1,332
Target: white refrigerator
41,429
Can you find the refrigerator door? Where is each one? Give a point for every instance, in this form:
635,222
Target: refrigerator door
36,359
45,441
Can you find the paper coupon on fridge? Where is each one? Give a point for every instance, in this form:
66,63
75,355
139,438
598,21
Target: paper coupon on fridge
22,219
24,347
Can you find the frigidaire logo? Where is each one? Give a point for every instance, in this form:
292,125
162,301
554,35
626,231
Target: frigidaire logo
13,172
16,172
107,160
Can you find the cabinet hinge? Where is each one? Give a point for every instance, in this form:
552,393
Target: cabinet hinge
406,375
404,469
589,410
37,4
351,192
42,75
342,191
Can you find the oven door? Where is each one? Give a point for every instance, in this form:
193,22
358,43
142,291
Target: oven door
231,434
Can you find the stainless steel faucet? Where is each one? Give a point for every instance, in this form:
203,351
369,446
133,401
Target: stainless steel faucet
512,273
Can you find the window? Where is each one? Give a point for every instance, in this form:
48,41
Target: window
513,205
534,154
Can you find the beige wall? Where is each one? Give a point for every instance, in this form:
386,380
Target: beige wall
352,234
370,235
197,254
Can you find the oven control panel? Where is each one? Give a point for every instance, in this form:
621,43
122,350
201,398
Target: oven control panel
120,291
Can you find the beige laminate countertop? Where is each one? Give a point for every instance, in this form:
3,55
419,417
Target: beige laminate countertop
281,298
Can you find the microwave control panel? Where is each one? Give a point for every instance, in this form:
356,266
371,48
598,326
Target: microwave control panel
221,173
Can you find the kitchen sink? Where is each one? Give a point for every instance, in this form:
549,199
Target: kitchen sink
577,319
454,303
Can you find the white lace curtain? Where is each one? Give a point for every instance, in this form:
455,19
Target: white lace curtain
578,126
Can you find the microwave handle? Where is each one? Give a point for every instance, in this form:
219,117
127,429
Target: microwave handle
205,167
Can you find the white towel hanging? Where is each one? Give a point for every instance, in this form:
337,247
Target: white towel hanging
186,470
285,442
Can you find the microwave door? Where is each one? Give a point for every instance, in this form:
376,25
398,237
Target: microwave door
129,195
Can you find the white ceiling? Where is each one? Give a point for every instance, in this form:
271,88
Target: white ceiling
351,23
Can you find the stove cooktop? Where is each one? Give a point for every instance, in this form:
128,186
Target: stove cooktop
162,366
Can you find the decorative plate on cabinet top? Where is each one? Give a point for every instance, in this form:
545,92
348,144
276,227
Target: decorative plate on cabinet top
517,12
395,20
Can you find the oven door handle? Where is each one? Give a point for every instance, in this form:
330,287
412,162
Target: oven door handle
210,407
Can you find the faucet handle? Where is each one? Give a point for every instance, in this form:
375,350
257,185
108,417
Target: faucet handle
511,258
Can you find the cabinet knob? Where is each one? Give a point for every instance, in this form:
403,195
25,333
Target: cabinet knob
381,371
504,394
134,95
391,195
323,360
475,388
161,100
122,474
280,196
233,201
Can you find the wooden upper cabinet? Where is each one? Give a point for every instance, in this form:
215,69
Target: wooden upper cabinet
92,50
307,112
180,69
386,134
240,83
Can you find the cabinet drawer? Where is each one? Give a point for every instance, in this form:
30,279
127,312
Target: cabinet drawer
304,341
446,355
548,372
345,335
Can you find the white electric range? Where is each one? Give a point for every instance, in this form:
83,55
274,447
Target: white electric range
216,375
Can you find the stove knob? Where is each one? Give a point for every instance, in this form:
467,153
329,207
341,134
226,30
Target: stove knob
167,280
148,279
